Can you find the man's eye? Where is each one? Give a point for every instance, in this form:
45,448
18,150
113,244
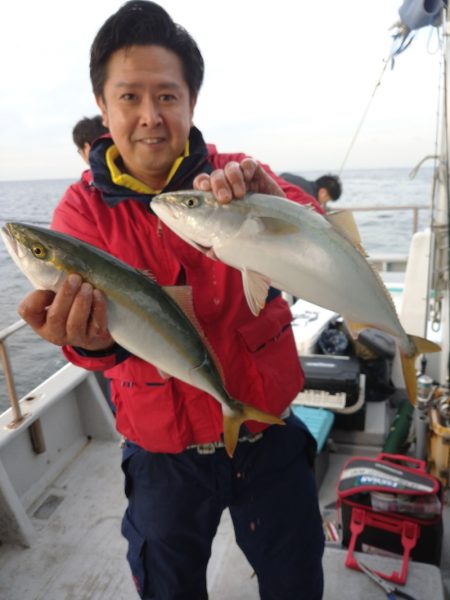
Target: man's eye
167,98
128,97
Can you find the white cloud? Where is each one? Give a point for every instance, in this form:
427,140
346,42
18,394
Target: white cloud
287,82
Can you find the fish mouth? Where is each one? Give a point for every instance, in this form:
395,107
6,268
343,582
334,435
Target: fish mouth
9,237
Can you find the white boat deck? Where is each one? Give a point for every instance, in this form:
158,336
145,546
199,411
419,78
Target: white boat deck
79,553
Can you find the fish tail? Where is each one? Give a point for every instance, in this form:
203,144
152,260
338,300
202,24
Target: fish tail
232,424
419,346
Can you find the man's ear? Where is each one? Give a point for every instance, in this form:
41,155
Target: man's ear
102,106
193,101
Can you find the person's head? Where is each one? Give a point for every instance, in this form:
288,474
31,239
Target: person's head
146,72
329,187
85,132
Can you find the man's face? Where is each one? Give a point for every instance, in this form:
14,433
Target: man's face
147,107
323,196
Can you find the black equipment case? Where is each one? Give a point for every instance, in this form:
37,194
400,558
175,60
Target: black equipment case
333,374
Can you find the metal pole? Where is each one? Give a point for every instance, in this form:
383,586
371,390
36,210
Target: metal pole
15,406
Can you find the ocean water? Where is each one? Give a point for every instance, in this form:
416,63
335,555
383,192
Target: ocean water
33,360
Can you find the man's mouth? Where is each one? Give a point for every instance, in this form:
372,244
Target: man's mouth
151,141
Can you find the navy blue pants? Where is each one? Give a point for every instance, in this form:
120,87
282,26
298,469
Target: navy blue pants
175,502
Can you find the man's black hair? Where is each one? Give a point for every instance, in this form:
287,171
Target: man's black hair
332,184
143,23
87,130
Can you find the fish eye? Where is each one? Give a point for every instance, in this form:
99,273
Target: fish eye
191,202
38,251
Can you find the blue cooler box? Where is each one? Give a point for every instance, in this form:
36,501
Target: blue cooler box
319,421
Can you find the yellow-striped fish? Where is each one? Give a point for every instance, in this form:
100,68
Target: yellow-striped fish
144,318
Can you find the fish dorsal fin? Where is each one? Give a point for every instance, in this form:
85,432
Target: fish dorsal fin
182,296
147,273
344,222
256,288
268,225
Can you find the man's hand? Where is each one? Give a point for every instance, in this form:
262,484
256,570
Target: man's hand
75,316
236,179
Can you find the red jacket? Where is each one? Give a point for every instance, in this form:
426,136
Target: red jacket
257,354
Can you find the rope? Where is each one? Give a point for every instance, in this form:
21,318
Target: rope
402,39
358,129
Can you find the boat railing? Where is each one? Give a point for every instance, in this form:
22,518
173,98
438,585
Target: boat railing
414,208
7,370
35,429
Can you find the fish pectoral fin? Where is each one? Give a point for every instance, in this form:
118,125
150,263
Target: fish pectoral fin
232,424
258,225
256,288
274,226
163,374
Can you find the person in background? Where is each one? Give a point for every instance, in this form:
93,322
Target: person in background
146,72
324,189
85,132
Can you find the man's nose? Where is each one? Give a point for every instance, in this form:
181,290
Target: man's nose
150,113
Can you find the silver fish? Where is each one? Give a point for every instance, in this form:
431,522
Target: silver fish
144,318
279,243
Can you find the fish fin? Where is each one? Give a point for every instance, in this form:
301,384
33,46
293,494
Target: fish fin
232,424
275,226
163,374
421,346
256,288
344,222
254,226
182,295
409,375
148,274
424,346
354,328
231,427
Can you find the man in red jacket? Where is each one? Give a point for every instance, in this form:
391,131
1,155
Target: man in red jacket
146,73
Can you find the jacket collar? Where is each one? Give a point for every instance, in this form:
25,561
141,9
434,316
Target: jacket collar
116,185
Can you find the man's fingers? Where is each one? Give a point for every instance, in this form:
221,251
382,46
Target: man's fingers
78,317
98,326
220,186
33,308
235,179
59,310
202,182
249,166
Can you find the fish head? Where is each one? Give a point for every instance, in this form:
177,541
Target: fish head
199,218
35,253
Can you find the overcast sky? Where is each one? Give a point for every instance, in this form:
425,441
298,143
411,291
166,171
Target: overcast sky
287,81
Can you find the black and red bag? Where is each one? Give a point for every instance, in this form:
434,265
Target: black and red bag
389,504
